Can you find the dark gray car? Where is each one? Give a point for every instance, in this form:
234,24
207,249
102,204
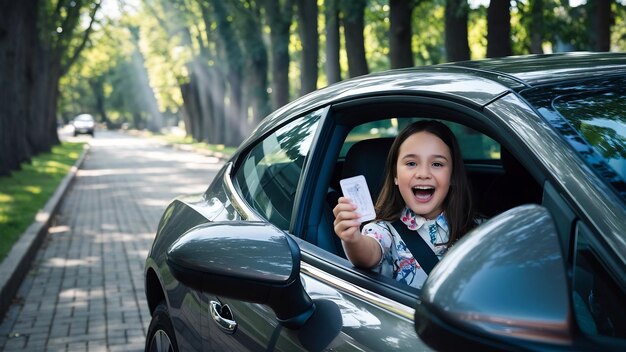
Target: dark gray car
253,263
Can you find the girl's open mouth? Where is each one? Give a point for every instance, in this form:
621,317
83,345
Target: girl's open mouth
423,193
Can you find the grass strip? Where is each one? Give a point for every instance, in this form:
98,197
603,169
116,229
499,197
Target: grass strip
26,191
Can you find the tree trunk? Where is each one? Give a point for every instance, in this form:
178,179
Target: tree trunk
233,56
17,30
185,110
353,23
208,118
51,135
279,20
457,46
307,12
257,68
32,60
499,29
536,27
191,114
217,89
213,80
44,66
97,89
138,121
400,33
333,67
602,21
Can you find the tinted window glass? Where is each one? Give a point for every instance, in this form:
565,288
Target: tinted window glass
591,117
269,175
474,145
599,118
598,301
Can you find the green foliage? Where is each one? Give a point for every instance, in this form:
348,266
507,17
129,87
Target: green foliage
570,28
618,33
429,32
376,35
173,37
26,191
477,33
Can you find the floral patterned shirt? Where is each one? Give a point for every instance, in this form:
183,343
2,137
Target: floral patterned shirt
397,261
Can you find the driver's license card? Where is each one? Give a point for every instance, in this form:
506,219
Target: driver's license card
355,189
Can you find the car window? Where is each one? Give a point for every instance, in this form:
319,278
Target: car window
599,129
597,299
475,146
269,174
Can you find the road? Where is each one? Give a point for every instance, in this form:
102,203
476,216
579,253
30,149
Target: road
85,289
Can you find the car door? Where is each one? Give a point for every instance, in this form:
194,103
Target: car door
349,314
266,177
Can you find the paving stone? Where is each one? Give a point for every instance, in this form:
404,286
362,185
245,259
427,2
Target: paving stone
85,290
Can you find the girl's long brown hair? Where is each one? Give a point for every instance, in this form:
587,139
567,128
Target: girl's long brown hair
458,203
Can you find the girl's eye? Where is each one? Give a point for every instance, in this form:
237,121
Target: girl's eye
411,163
437,164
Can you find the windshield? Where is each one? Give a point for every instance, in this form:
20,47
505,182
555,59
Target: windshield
84,118
598,118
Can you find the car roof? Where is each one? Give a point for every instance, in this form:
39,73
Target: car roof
477,82
533,70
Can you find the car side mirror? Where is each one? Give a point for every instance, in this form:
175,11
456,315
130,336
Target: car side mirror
502,285
248,261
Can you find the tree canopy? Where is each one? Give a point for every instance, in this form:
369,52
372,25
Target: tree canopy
217,67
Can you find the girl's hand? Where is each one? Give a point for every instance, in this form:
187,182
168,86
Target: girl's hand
346,222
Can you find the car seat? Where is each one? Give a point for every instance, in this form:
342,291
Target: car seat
367,158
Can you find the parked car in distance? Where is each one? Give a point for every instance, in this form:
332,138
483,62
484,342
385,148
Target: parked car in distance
254,264
84,124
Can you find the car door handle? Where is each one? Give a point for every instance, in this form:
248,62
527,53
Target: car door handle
223,317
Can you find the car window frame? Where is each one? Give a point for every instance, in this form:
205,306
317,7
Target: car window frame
243,156
335,128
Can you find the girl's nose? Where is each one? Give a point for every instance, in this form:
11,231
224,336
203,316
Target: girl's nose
422,172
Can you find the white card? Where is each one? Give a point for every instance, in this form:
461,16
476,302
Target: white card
355,189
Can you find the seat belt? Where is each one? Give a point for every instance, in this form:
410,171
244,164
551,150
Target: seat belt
417,246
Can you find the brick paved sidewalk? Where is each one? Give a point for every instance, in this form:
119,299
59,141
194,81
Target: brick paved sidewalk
85,289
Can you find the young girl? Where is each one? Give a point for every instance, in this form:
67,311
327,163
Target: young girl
426,188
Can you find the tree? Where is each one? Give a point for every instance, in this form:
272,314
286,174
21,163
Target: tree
400,33
333,42
499,29
207,81
307,13
457,46
536,28
250,31
234,61
47,38
601,21
18,24
279,15
353,22
63,41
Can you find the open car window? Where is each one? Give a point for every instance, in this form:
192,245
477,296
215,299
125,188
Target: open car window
482,157
475,146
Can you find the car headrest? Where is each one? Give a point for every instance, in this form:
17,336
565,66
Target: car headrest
368,158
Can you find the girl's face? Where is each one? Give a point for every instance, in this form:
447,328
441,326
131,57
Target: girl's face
424,169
